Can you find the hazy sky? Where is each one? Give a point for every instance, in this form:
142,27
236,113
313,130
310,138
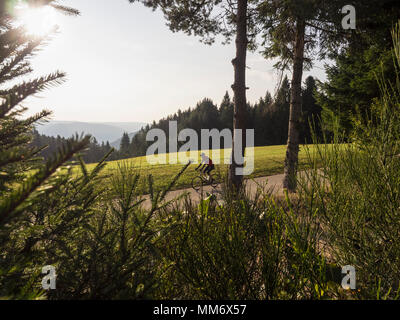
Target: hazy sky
124,64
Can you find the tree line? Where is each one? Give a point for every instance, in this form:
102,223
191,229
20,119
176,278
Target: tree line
93,153
269,118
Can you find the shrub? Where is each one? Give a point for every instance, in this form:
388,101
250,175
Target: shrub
244,248
358,196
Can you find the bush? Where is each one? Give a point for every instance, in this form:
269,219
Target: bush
242,249
358,197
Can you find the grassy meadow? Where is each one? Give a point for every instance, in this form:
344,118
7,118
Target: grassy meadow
268,161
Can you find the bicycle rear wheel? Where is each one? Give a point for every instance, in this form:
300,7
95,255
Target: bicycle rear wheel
197,183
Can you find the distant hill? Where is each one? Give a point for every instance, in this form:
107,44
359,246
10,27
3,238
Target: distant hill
102,131
116,144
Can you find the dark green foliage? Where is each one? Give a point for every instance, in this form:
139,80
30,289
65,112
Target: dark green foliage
205,115
351,84
241,249
93,153
124,147
54,211
226,112
375,20
20,186
358,199
19,195
109,254
271,118
310,113
324,33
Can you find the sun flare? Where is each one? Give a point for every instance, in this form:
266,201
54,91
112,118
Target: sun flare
37,21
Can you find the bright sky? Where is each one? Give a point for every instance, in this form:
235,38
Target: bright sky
124,64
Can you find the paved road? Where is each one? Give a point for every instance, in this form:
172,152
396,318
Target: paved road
273,183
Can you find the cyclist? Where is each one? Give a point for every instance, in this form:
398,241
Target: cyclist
207,165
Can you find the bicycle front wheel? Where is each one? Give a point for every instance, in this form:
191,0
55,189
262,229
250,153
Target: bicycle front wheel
197,183
214,181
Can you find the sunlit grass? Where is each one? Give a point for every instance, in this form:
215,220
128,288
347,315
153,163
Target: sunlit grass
267,161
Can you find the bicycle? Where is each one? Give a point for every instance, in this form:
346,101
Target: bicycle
204,180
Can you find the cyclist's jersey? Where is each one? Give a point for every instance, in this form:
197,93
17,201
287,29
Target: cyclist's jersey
206,160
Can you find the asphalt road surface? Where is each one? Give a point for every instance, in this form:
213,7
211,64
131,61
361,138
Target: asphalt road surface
270,183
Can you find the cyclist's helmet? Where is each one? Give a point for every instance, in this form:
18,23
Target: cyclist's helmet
202,154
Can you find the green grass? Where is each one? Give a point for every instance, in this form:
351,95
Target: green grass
268,161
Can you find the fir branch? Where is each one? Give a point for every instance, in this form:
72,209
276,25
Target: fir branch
20,92
10,204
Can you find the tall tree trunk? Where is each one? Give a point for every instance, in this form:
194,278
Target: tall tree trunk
239,90
292,152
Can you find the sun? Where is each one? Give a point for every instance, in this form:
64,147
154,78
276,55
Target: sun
37,21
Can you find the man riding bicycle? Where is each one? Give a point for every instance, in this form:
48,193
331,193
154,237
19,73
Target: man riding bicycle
206,163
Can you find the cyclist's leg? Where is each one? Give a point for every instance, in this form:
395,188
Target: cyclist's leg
208,170
202,168
212,167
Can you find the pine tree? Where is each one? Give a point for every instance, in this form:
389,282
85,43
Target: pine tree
18,189
292,30
310,112
278,129
125,146
226,112
231,20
